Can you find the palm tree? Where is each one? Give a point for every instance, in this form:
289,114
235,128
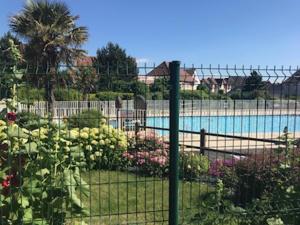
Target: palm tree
52,37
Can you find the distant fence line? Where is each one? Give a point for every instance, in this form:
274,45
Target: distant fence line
161,107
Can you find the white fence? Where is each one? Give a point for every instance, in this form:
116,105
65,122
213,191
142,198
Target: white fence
161,107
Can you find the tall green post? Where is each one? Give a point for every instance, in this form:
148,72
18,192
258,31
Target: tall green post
174,142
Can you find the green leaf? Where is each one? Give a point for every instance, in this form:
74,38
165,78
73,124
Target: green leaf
43,172
15,131
23,201
31,147
82,185
27,215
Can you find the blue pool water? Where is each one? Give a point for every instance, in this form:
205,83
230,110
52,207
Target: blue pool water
232,124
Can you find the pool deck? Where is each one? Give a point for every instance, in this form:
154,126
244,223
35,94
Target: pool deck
235,145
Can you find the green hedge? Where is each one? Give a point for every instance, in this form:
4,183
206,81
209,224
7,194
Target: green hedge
67,94
31,94
88,118
110,95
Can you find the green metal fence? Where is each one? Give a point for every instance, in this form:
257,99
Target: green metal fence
165,144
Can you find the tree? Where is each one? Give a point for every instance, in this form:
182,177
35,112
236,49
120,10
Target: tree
11,56
113,65
253,82
8,46
85,80
52,37
160,89
254,87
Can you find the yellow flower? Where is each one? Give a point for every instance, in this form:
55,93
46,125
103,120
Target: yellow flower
3,136
85,129
95,131
84,135
94,142
102,142
2,123
107,141
74,134
112,146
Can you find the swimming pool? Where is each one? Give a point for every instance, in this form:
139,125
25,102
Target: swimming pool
232,124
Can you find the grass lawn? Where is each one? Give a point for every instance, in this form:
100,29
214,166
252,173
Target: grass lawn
120,197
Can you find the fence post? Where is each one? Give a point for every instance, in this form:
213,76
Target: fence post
202,141
174,142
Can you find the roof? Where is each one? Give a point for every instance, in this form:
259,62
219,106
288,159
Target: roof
295,78
85,61
209,81
237,81
221,81
163,69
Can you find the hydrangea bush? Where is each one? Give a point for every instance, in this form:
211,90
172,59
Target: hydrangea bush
149,154
102,147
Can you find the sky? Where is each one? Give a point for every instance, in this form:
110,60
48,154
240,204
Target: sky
233,32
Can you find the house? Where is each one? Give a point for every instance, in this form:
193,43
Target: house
287,88
210,83
223,85
188,77
216,84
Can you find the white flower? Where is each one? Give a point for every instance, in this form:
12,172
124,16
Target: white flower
89,148
98,154
92,157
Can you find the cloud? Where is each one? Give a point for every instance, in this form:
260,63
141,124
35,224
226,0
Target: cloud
142,60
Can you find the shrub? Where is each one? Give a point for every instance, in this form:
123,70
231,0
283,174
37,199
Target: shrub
30,120
103,147
67,94
193,165
87,118
218,166
194,94
257,175
110,95
30,94
149,154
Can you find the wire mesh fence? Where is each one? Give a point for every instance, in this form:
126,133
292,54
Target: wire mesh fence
91,145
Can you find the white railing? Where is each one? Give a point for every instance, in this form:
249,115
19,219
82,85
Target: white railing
161,107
